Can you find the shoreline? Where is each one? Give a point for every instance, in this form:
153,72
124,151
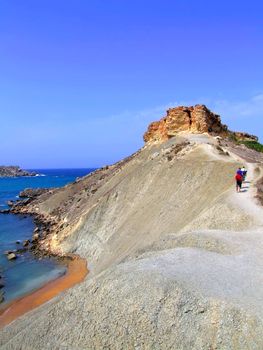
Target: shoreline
76,272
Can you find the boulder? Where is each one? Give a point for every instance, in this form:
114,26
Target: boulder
11,256
8,252
26,243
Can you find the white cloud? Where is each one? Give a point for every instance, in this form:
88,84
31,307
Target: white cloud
250,108
258,98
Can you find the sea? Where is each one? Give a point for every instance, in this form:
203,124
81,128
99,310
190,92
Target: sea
27,273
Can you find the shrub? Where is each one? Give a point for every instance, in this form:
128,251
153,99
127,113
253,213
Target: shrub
253,145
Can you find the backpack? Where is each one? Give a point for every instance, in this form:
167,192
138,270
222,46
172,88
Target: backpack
239,177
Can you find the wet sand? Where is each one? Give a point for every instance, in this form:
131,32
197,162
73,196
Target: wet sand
76,272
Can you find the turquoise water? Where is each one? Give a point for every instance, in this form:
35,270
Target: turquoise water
27,273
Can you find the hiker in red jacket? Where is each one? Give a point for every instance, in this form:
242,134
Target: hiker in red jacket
239,179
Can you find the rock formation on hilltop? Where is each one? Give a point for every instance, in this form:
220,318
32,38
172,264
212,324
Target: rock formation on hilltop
244,136
14,171
194,119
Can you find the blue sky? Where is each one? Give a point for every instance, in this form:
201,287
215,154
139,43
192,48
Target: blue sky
81,80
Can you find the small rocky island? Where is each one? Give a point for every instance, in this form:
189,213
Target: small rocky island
14,171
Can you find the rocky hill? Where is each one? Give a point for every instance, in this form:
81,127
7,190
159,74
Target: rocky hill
175,255
14,171
193,119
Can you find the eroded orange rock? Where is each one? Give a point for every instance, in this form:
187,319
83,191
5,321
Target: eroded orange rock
194,119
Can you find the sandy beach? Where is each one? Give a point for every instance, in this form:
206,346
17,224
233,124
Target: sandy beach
76,272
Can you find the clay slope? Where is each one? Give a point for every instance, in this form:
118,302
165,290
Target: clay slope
175,256
118,210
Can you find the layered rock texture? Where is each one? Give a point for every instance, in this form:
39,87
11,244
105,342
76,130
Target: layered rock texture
33,192
197,119
175,255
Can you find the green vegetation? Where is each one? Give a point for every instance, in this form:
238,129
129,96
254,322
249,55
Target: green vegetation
253,145
232,137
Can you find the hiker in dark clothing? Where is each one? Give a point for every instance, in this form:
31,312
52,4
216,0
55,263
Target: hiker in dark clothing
244,173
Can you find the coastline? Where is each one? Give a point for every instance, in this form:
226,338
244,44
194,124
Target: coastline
76,272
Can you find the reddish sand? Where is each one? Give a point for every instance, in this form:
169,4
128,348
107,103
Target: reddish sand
77,271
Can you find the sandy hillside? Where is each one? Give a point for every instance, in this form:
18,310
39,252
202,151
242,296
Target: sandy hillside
175,254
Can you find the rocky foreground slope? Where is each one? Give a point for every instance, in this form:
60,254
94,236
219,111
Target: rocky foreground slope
175,255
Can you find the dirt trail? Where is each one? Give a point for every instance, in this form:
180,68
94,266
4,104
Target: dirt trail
246,198
235,277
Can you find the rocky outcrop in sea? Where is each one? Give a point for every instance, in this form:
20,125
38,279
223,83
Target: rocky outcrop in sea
14,171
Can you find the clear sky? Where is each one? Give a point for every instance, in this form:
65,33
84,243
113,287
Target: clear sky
80,80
